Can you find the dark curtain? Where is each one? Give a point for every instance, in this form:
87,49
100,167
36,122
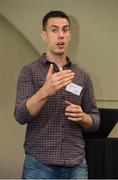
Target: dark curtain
101,151
102,158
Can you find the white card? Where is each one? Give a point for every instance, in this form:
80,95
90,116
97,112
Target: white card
73,88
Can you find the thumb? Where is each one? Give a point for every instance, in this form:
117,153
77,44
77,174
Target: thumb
50,70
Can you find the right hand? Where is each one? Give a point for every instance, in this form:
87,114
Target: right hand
56,81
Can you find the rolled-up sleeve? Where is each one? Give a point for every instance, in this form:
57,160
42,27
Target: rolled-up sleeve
24,91
89,104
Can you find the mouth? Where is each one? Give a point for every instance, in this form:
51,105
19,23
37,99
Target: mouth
60,45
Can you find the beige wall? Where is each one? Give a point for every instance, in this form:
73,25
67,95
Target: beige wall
15,51
94,46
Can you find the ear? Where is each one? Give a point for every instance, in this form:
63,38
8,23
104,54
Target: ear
43,35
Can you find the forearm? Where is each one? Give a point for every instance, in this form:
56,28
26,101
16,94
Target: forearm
54,82
87,121
37,101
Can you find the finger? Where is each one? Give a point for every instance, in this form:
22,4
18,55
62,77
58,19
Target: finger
74,115
75,119
60,86
68,103
63,76
73,108
64,72
69,106
63,81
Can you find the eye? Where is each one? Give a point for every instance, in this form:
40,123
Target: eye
55,30
66,29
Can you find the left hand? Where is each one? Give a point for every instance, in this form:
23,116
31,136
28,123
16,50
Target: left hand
74,112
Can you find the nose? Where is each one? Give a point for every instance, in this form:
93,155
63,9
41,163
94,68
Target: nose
61,34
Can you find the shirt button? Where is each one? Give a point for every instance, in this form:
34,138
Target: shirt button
64,125
63,140
63,97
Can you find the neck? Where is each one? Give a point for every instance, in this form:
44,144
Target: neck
58,59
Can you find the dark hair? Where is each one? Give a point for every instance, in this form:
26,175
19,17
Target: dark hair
52,14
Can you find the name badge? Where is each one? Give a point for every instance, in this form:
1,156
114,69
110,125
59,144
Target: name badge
73,88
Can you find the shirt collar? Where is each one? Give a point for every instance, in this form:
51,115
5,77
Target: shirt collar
45,61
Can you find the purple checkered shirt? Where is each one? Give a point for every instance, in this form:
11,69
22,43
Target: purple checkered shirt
50,136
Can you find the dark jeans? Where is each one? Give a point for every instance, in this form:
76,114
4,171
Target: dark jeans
34,169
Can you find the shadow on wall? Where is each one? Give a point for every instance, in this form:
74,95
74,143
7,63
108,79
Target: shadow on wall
75,40
15,52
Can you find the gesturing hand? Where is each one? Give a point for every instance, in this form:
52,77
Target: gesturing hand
74,112
56,81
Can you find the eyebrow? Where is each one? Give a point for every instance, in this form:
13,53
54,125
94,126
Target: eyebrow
58,26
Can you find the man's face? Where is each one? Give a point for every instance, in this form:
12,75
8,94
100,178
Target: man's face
57,35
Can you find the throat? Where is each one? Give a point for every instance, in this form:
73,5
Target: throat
60,61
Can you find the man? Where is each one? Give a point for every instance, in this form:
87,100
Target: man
56,100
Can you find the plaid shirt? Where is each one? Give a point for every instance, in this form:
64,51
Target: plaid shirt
50,136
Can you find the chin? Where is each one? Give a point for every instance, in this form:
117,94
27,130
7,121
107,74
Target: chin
60,52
